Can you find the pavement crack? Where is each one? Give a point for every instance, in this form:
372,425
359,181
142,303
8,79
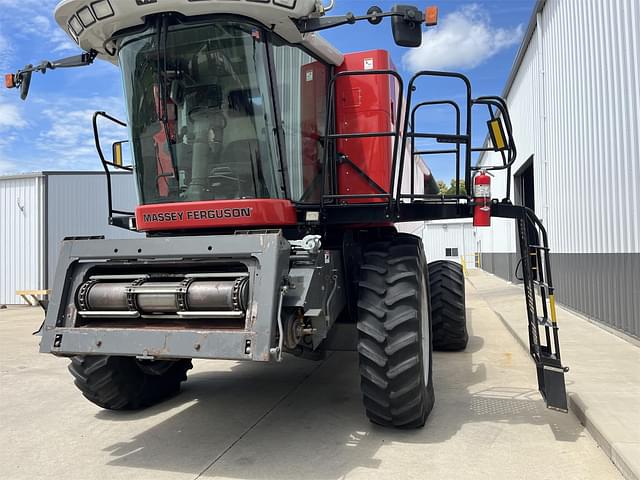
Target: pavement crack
262,417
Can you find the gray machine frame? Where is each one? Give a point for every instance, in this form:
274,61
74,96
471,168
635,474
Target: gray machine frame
285,279
266,257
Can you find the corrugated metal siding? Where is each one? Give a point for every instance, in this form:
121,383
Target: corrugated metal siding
77,205
501,264
603,286
592,52
579,117
575,106
21,246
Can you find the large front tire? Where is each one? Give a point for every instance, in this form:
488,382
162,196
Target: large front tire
448,309
124,383
394,341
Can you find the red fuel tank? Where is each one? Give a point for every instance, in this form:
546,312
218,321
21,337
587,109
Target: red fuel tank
365,104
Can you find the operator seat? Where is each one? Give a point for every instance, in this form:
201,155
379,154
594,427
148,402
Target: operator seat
238,171
239,175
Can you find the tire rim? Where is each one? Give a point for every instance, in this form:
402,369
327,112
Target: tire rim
425,334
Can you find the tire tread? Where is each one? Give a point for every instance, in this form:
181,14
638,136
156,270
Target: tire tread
390,346
449,320
116,383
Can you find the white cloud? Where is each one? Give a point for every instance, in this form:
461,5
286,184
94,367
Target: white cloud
464,39
6,166
10,116
5,51
12,123
33,20
37,24
7,162
61,42
67,139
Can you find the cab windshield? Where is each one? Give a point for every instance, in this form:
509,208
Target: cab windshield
200,113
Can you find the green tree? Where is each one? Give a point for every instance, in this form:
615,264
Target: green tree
452,188
443,187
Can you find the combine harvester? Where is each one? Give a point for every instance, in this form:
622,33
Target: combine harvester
271,170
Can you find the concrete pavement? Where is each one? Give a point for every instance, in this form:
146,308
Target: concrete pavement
604,381
297,420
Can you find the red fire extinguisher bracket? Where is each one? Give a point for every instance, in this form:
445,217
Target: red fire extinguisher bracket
482,200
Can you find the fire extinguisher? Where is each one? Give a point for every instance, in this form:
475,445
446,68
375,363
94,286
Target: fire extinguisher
482,199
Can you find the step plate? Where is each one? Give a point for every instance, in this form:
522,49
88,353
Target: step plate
552,387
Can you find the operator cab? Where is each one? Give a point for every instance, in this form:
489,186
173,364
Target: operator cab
202,116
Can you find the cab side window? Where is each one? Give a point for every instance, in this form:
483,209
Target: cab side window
302,92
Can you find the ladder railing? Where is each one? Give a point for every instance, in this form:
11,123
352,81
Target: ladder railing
453,142
332,157
541,309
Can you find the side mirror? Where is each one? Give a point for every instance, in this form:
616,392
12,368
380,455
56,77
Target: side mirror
26,82
117,155
496,132
406,25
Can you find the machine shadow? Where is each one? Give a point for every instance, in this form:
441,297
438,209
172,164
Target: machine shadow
285,421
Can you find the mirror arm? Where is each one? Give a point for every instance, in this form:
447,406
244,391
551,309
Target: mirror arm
84,59
315,24
24,75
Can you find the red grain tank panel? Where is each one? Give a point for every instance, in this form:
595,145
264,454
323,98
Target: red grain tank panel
365,104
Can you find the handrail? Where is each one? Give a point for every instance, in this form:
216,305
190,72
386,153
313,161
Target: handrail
406,126
106,163
466,138
335,136
434,152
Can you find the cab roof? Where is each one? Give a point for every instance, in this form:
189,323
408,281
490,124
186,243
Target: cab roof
91,23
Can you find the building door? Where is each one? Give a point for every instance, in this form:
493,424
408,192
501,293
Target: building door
524,192
524,188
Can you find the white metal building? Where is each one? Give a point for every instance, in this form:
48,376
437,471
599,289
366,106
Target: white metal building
574,99
38,210
450,240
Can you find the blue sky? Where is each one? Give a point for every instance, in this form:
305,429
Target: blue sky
52,130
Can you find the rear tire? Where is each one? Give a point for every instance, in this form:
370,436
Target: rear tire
122,383
394,341
449,317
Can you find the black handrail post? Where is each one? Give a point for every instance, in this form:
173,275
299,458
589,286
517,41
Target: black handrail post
466,140
457,149
105,163
335,136
404,126
501,105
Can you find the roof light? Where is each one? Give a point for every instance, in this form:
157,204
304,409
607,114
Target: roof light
75,26
73,35
431,16
102,9
86,16
285,3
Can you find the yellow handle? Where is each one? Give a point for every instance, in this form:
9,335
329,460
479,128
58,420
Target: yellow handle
552,306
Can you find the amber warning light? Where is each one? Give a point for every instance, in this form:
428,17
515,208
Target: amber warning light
431,16
10,80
